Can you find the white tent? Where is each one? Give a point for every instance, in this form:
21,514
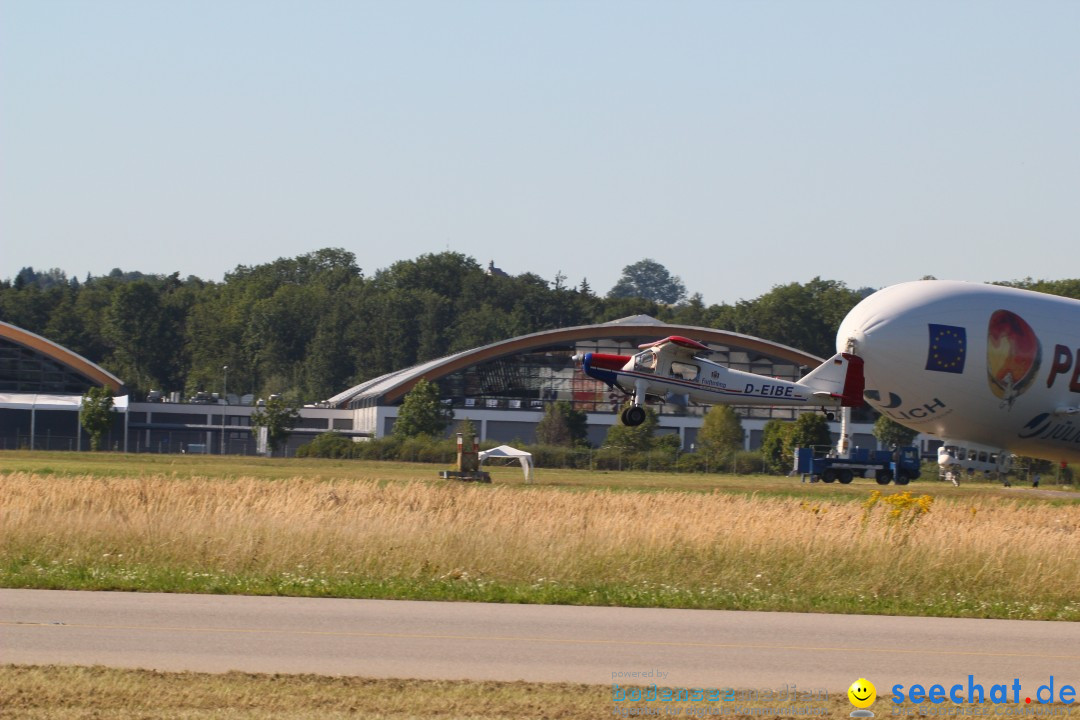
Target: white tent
505,451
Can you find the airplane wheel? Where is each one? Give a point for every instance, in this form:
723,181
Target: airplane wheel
633,415
828,476
883,477
845,477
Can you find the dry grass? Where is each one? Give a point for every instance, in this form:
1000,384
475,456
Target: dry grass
981,557
76,693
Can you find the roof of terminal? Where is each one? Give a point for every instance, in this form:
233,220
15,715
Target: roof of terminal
388,388
77,363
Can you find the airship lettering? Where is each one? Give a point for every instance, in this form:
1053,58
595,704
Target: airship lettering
1044,427
918,413
1063,362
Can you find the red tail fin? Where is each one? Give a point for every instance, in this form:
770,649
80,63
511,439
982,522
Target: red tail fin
854,382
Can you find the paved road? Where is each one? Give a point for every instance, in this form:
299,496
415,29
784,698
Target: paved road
381,638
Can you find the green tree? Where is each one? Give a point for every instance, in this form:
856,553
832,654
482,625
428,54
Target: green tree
775,444
468,432
721,434
650,280
810,430
135,328
444,273
801,316
562,425
634,439
422,413
891,433
691,312
327,445
278,417
97,414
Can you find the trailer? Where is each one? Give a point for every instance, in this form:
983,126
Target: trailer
900,465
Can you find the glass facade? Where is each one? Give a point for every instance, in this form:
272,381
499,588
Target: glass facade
529,380
24,370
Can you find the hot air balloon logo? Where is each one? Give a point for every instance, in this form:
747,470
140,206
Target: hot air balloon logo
1013,354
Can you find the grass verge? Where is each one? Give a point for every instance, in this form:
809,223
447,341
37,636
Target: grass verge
88,693
82,693
906,555
85,693
116,465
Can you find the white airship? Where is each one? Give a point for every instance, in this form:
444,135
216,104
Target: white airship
973,364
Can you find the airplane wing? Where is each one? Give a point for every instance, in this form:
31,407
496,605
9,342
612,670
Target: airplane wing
679,341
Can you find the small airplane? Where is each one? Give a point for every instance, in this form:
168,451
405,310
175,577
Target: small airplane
675,365
974,364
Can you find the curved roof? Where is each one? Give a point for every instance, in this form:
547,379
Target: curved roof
73,361
391,387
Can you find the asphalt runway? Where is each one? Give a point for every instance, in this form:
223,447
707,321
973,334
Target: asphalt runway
404,639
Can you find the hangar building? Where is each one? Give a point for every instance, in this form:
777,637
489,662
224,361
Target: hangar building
502,388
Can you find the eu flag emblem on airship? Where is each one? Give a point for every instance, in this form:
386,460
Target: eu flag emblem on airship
948,348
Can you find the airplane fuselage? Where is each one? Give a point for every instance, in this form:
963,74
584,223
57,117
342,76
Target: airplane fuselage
702,380
964,361
675,366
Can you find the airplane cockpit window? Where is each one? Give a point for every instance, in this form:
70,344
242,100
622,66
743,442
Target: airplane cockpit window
684,371
645,362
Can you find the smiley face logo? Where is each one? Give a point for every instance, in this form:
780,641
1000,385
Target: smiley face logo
862,693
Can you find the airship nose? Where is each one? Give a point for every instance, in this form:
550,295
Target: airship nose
866,320
891,328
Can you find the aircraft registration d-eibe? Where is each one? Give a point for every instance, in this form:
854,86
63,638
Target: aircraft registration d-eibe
675,365
973,364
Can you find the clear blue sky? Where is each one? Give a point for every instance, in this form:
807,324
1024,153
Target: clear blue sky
741,144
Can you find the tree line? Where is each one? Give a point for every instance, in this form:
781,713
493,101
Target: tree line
313,325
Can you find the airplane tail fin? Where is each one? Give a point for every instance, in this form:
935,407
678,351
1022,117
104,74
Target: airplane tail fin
840,378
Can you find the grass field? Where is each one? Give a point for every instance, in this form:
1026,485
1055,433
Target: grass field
390,530
104,465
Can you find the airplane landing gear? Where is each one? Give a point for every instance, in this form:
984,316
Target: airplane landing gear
635,414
